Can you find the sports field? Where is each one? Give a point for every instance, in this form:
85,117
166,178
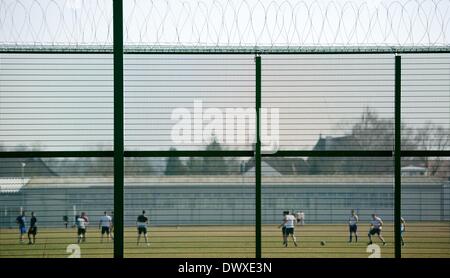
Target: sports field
424,239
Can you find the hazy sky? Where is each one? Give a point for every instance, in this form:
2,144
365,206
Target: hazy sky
60,101
229,22
65,101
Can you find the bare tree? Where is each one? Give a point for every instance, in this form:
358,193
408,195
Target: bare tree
432,137
371,132
174,165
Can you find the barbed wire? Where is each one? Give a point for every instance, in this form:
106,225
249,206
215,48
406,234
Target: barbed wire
56,22
228,23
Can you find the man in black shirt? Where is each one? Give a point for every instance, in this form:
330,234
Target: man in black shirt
32,231
66,220
141,223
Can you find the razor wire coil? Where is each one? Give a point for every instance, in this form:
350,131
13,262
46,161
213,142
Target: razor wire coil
228,23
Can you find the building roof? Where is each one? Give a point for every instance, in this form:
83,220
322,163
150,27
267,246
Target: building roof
414,168
281,165
12,167
231,180
266,170
12,185
330,143
346,165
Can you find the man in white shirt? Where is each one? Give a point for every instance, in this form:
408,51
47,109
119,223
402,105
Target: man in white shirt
301,217
287,226
402,230
353,226
375,228
81,223
105,224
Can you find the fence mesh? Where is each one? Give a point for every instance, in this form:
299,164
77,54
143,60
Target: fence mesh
331,114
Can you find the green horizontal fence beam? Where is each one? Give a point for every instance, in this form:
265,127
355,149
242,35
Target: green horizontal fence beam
189,153
405,153
284,153
149,49
343,153
55,154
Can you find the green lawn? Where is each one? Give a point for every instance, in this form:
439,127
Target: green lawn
425,239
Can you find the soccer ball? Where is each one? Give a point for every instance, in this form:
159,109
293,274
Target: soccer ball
322,243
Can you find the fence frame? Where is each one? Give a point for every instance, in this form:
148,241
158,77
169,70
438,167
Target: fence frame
119,153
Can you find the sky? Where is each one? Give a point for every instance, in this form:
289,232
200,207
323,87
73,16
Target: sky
222,23
64,102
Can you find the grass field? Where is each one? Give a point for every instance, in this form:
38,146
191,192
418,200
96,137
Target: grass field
425,239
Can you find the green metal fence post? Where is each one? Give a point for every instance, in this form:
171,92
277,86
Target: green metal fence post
398,162
118,128
258,158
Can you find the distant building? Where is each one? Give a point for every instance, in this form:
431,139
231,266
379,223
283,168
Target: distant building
346,165
12,185
277,166
228,199
266,170
413,171
330,143
11,199
31,167
332,165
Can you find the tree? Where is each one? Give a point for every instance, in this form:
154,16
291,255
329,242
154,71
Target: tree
138,166
233,166
371,132
195,165
432,137
214,165
174,166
